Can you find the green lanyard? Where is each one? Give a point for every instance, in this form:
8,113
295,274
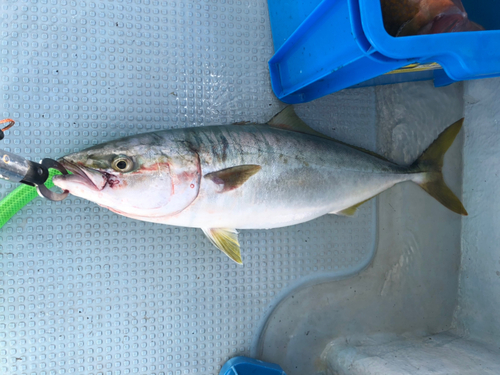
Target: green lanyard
20,197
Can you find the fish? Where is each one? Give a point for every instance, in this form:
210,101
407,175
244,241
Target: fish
418,17
244,176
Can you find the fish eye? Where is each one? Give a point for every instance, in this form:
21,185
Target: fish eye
122,164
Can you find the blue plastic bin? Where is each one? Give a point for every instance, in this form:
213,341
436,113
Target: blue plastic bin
325,46
250,366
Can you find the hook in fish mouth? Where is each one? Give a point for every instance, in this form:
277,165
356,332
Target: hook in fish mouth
89,177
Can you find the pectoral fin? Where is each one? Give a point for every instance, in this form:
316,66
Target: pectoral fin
225,240
232,178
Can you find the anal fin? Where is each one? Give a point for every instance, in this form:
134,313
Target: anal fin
350,211
226,240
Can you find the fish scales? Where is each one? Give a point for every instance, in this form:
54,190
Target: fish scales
315,174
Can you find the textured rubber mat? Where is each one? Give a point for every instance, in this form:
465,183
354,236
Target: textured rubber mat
85,291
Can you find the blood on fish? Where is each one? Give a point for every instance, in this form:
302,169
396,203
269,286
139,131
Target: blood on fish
155,167
111,180
172,184
180,179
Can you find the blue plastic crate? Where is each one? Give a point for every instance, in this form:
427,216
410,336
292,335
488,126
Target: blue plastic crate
325,46
249,366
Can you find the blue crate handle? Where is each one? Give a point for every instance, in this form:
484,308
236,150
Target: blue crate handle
463,55
249,366
343,43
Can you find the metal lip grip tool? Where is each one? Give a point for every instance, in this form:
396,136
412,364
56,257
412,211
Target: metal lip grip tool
17,169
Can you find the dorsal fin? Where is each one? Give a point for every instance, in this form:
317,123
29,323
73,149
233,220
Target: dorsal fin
287,119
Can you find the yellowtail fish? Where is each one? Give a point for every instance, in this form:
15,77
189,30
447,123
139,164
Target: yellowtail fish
252,176
417,17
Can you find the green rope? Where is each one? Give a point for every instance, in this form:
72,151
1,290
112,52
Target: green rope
20,197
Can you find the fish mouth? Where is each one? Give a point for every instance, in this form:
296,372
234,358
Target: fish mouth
89,177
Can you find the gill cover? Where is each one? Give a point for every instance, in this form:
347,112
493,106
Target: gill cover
185,175
164,185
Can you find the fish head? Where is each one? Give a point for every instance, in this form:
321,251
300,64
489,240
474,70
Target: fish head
141,177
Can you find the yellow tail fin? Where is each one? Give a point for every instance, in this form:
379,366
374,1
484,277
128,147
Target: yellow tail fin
431,163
